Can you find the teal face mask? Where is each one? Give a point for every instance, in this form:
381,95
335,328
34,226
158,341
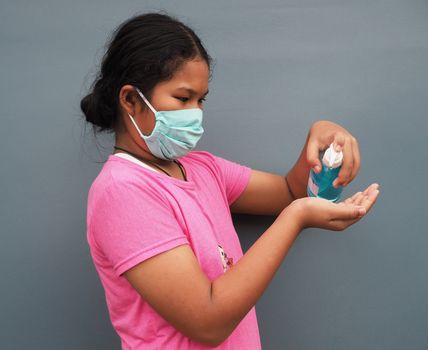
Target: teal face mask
175,133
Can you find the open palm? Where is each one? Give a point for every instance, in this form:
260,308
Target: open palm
321,213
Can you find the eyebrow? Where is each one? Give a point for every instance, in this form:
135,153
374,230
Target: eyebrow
191,91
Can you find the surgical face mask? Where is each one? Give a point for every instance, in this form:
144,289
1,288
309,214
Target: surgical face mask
175,133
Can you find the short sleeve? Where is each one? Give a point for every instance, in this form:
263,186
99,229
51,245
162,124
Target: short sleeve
130,224
235,177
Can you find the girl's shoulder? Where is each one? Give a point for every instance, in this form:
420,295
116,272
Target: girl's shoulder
199,155
205,158
202,159
120,176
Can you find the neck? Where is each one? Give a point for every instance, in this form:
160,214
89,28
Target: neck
142,154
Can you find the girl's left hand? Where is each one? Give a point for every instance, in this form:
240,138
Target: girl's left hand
321,135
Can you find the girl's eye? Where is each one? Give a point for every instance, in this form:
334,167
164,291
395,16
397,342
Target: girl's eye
202,100
182,99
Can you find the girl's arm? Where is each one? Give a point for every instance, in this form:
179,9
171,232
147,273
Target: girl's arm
265,194
269,194
208,311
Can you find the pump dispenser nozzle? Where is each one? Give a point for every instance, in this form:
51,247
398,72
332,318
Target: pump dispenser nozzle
331,158
321,184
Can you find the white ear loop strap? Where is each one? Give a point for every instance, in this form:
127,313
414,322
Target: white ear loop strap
145,100
148,104
136,126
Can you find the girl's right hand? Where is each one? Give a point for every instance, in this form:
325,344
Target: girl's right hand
321,213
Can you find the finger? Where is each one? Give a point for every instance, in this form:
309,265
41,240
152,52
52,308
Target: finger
370,196
348,163
352,199
370,199
313,155
360,199
357,158
367,202
371,187
355,164
366,191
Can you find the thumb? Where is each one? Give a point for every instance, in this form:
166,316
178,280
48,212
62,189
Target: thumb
312,156
350,212
339,140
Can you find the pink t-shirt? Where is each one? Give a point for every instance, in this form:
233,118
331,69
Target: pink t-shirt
135,213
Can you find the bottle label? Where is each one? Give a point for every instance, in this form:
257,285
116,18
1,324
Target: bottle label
313,186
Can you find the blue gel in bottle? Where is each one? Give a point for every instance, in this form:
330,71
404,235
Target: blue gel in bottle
321,184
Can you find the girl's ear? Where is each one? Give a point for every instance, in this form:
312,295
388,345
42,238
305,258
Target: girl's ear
128,100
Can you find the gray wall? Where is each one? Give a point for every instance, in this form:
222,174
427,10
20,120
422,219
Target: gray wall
280,65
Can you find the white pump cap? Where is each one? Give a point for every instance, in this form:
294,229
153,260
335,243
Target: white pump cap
331,158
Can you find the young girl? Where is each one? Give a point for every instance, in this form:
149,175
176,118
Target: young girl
159,220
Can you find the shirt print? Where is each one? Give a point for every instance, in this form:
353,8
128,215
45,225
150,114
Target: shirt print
227,262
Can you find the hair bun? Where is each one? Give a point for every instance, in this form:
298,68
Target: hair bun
85,106
96,111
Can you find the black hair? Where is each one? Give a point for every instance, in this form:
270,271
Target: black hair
143,51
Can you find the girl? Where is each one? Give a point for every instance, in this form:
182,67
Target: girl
159,220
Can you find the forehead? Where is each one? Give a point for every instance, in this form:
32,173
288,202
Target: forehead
194,74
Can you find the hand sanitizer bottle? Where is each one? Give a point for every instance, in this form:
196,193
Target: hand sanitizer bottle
321,184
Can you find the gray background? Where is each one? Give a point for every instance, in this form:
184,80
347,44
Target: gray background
280,66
